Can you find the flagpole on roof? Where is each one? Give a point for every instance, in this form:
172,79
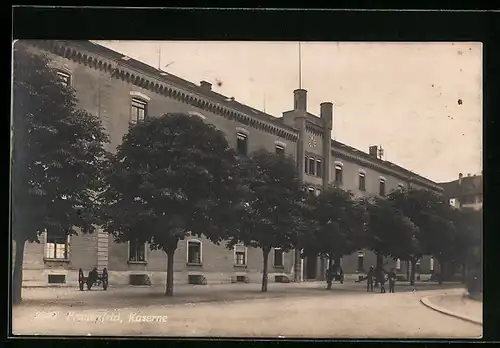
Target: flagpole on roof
300,67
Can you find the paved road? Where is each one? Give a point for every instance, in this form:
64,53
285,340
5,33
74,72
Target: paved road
299,311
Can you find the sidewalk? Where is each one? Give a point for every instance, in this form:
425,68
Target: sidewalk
131,296
456,305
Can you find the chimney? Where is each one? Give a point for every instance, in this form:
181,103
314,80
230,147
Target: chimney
373,151
300,99
326,114
460,176
207,86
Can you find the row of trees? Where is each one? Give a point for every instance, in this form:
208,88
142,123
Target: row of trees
406,225
175,176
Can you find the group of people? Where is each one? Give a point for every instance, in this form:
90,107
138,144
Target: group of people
379,276
375,277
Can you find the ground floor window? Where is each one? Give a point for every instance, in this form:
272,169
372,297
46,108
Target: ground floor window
194,252
136,251
240,255
278,257
398,265
56,245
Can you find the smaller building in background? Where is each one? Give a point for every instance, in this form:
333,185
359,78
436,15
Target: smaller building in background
466,192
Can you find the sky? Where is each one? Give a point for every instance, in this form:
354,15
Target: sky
422,102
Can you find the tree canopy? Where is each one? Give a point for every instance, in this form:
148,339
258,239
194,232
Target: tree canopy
57,158
338,225
172,176
390,232
274,204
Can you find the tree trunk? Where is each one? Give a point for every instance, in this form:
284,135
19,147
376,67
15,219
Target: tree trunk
412,271
380,260
464,273
169,290
265,254
441,272
17,277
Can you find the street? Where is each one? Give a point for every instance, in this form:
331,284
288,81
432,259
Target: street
287,310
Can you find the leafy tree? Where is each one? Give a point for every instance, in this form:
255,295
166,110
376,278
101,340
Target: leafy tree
171,177
274,205
390,233
338,227
468,230
433,216
57,158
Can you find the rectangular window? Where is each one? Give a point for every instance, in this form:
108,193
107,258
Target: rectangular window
278,257
194,252
312,167
398,265
64,78
338,174
136,251
241,144
240,255
56,246
381,190
138,110
362,182
306,165
361,259
319,171
280,150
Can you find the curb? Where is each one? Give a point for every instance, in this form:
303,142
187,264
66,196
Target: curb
426,302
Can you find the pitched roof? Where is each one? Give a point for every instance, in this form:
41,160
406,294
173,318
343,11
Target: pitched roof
167,77
469,185
230,102
388,164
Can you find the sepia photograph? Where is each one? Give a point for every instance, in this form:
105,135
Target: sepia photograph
252,189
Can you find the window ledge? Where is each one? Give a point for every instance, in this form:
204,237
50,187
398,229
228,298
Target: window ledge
137,262
46,259
241,266
194,264
278,266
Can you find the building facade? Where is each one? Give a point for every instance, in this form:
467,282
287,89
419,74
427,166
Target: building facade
121,90
466,192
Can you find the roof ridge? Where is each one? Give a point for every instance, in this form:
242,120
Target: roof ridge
163,75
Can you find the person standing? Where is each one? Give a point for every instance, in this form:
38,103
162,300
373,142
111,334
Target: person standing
392,280
381,280
369,276
329,277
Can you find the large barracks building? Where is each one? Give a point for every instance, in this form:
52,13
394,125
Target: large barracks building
121,90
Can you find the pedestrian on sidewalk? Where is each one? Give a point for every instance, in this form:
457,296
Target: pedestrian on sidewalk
392,280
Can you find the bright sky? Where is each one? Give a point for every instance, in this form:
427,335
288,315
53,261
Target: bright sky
402,96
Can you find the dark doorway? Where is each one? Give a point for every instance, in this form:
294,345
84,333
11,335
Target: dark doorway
311,267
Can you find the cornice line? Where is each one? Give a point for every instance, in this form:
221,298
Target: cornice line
384,169
170,90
